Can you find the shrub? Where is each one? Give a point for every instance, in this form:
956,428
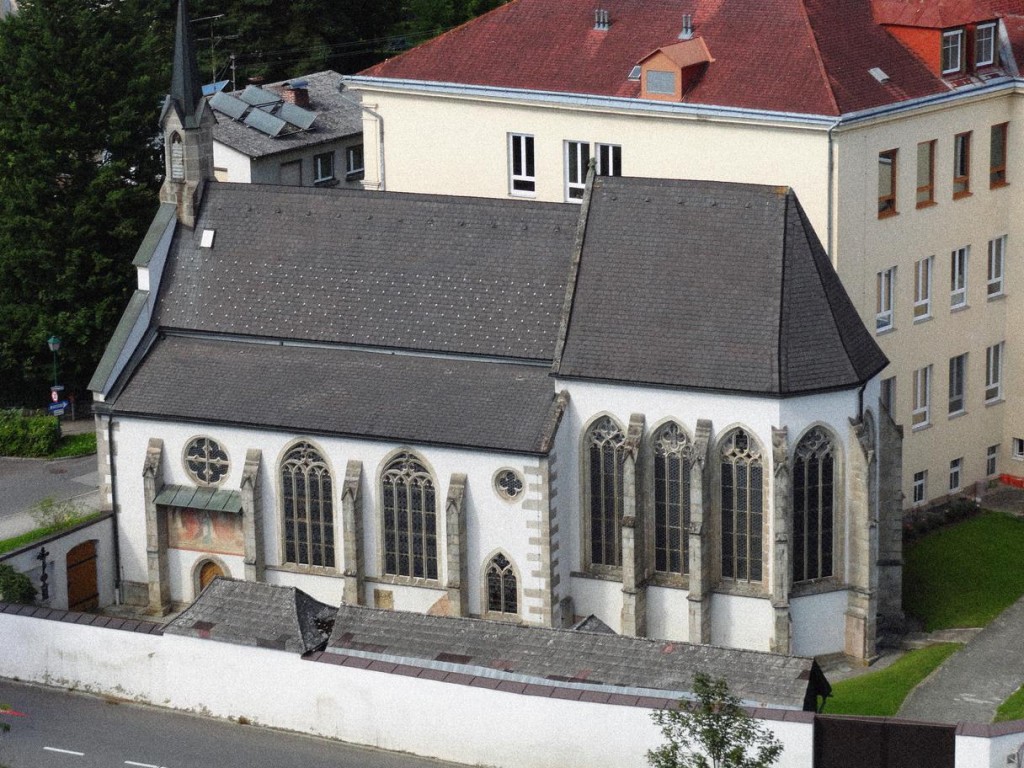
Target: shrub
16,587
56,515
22,435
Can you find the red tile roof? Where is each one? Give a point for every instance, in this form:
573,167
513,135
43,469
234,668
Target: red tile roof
802,56
935,14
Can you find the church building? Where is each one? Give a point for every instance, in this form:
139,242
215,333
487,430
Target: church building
658,408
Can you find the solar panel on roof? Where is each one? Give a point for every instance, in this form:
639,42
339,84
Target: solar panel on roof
303,118
268,124
229,105
258,97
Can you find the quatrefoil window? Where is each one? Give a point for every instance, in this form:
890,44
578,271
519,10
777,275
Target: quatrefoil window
508,483
206,462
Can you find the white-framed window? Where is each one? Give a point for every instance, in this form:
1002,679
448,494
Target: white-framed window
955,481
577,160
958,277
522,177
952,51
1018,448
887,393
923,288
354,162
994,373
921,414
609,160
996,266
961,165
957,383
991,457
920,486
323,167
984,45
885,293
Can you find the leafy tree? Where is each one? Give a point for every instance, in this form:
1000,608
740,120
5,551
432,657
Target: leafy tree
79,172
712,732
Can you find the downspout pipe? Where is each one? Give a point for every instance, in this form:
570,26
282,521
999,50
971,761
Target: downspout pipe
118,597
381,185
830,194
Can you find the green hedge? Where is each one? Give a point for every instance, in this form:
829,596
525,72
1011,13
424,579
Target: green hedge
16,587
22,435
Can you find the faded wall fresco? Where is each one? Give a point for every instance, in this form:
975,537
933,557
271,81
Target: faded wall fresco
205,530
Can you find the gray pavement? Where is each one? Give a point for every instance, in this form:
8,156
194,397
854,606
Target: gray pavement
24,482
973,682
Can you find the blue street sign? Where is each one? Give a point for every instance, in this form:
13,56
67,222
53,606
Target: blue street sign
57,409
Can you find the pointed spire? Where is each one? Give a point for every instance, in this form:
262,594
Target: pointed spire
186,88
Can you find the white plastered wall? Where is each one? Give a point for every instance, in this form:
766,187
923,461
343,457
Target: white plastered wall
492,522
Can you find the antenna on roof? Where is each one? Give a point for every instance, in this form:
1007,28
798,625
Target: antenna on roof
601,20
687,32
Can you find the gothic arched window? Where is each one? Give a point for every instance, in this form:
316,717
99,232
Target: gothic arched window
177,158
672,452
604,486
307,492
813,506
410,518
742,507
502,590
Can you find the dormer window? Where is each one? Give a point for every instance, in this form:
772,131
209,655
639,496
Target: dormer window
985,45
952,51
662,83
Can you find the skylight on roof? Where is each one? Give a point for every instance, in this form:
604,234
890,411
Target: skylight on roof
207,239
879,75
634,73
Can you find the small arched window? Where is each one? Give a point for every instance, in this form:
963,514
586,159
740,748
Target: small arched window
502,590
410,518
742,507
177,158
672,452
308,495
604,486
813,506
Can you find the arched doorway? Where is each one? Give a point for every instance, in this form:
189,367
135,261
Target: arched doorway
208,571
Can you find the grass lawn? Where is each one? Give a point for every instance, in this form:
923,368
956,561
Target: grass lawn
881,693
75,445
1012,708
16,542
965,575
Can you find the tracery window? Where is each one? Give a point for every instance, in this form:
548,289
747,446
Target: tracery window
605,458
742,507
814,506
205,461
308,496
502,591
672,461
410,518
177,158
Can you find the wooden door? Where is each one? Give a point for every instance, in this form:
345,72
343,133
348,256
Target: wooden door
83,592
207,573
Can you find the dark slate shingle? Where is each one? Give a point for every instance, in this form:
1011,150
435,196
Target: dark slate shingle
710,285
325,390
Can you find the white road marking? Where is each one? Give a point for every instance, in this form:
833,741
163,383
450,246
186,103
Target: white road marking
64,751
140,765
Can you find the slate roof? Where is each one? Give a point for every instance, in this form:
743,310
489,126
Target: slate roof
798,56
329,390
723,287
253,613
427,272
568,656
337,118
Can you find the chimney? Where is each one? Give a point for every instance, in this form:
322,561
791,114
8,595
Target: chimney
296,92
687,32
601,20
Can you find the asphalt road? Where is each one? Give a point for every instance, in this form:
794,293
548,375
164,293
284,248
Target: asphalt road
24,482
59,729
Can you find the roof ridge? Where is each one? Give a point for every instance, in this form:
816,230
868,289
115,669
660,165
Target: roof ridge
818,57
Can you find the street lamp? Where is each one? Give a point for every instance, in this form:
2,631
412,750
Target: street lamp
54,344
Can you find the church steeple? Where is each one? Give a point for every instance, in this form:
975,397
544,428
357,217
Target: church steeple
187,125
186,87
